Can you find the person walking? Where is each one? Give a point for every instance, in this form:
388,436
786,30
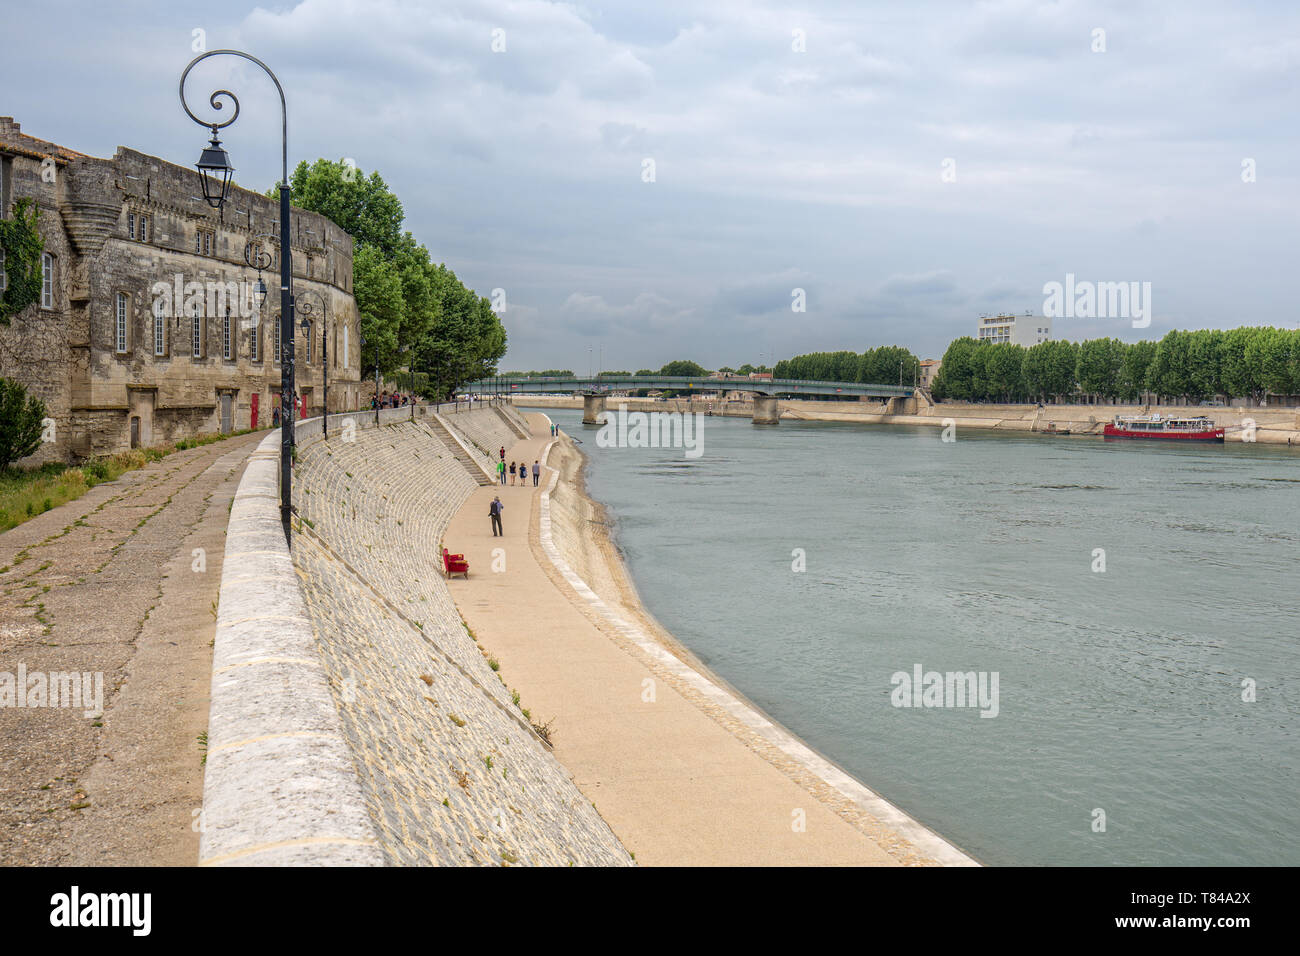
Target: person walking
512,473
537,471
501,470
494,510
503,452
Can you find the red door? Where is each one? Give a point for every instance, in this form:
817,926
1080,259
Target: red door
252,413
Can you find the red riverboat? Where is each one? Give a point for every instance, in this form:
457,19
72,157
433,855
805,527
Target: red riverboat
1199,428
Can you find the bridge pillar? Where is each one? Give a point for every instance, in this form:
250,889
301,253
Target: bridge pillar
592,407
766,410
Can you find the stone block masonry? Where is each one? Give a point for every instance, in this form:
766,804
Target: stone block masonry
120,365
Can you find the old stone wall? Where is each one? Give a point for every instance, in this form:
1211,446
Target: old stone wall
130,237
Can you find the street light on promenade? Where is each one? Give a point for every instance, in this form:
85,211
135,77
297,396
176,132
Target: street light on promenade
311,310
214,172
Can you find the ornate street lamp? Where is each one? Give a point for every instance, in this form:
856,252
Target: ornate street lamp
215,169
214,162
310,311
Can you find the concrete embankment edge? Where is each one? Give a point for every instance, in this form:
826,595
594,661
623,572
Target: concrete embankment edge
1273,426
279,785
925,840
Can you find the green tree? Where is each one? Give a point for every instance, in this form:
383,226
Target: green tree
1170,372
362,206
1137,360
414,313
1270,354
1239,377
1099,365
20,422
685,369
957,371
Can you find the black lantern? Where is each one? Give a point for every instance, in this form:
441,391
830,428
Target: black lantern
215,169
259,292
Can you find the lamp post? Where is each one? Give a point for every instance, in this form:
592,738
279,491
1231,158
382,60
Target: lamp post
214,171
310,311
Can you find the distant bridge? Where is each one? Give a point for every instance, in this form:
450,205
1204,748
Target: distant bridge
595,389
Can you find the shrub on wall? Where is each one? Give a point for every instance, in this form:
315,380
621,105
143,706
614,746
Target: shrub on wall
22,245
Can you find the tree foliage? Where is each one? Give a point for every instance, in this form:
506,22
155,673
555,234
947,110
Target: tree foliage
20,422
21,245
414,312
1182,366
684,369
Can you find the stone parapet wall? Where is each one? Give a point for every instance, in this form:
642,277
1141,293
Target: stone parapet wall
279,786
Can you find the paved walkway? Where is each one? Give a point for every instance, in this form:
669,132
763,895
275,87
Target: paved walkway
110,583
673,783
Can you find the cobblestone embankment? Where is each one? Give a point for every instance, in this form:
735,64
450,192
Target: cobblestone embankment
449,769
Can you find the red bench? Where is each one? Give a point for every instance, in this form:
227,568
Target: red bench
454,564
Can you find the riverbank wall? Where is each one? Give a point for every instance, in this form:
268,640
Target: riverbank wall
1271,425
354,718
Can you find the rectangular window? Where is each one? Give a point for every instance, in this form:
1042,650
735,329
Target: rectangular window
198,243
47,281
207,243
130,225
203,243
144,228
159,335
196,337
225,336
255,341
346,353
275,350
121,322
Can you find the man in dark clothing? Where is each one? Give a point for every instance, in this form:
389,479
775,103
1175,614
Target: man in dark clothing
537,470
495,510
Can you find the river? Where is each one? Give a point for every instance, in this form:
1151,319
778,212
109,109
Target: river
1121,735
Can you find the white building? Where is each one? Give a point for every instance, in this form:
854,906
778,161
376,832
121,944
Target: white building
1023,330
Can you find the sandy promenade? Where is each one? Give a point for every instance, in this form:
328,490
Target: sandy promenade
681,780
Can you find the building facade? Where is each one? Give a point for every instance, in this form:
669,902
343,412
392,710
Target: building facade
929,370
1023,330
148,328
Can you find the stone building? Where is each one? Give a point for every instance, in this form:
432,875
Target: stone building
147,328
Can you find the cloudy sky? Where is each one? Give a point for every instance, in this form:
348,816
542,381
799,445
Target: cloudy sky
909,165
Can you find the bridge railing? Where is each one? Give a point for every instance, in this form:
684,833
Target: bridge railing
545,383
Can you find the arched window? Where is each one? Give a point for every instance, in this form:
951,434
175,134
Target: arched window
47,281
120,314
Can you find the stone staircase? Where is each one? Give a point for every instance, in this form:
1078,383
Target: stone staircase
513,425
475,470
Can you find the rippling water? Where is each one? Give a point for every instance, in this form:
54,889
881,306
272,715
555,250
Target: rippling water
1119,691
